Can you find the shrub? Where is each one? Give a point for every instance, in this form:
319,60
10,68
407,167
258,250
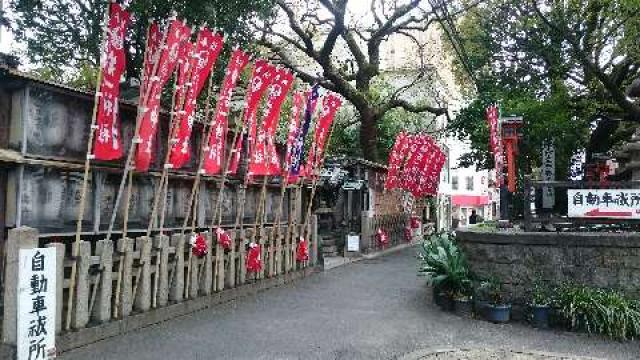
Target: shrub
601,311
445,265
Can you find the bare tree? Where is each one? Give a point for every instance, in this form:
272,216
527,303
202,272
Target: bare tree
314,30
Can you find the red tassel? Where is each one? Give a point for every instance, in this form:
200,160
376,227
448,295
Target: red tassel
199,247
223,239
302,253
254,259
382,237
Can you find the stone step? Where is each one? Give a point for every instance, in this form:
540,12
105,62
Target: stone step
327,249
328,242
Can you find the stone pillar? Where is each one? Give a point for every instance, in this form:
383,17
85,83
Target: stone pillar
102,308
314,238
59,283
142,301
177,277
19,238
125,248
231,271
81,301
162,270
207,277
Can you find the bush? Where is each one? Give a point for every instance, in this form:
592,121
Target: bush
445,265
601,311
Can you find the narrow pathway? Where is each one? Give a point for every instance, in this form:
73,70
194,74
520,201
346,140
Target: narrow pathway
373,309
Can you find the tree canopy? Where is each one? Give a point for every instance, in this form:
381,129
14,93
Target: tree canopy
564,66
62,37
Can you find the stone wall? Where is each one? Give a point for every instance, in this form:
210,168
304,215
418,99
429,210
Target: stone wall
594,259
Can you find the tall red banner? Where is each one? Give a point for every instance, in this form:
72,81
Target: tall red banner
177,34
330,105
215,149
204,56
263,160
396,156
108,144
299,100
495,142
260,81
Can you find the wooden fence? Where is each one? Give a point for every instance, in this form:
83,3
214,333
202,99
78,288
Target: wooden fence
116,279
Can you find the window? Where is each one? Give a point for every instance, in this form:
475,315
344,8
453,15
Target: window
469,183
454,183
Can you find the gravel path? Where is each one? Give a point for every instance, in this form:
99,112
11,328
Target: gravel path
372,309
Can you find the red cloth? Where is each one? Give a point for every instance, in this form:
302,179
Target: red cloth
382,237
495,142
215,149
107,143
223,238
254,258
263,160
177,35
469,200
199,247
299,99
260,80
396,160
206,52
302,252
330,105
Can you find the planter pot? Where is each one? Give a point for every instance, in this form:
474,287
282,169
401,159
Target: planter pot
480,307
444,301
540,316
463,307
498,313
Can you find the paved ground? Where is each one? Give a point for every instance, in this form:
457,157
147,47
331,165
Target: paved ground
372,309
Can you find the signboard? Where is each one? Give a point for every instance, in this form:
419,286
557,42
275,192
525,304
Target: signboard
548,174
604,203
37,304
353,242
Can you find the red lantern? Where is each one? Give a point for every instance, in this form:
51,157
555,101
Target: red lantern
382,237
302,253
223,239
254,259
408,234
415,222
199,246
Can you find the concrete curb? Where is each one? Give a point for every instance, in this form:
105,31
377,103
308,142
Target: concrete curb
346,261
420,354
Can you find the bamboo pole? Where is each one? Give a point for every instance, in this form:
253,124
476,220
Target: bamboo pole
145,92
85,177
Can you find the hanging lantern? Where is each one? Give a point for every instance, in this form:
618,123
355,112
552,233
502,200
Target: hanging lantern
382,237
302,253
199,246
408,234
224,239
254,259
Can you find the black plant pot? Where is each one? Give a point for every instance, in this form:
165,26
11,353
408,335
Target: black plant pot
540,316
444,301
498,313
463,307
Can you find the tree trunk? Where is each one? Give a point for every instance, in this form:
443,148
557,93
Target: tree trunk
369,134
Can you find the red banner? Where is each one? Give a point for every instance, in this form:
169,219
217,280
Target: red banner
206,52
396,157
299,99
215,149
263,159
330,105
495,142
260,80
107,144
177,34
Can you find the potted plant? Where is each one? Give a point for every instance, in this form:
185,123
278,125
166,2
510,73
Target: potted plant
498,310
540,305
462,299
446,268
481,297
